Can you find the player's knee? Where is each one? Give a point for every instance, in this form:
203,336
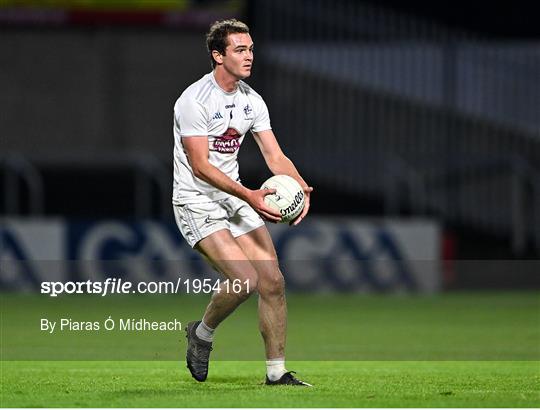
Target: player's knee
272,285
244,288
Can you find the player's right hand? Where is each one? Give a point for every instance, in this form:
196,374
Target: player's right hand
256,200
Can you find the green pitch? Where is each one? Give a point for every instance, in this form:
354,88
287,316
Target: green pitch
237,384
453,350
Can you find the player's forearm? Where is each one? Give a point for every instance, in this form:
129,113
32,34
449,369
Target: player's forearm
284,166
212,175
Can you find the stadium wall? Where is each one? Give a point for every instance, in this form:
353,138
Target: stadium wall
94,91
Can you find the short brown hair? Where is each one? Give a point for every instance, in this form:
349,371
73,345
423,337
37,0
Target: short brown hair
217,37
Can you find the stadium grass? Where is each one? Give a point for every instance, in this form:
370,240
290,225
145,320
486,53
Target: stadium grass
478,349
238,384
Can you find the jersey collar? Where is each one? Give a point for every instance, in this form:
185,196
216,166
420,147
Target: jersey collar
213,79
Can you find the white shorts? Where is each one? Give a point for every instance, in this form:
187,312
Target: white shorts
197,221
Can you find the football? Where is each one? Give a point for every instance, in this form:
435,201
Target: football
289,198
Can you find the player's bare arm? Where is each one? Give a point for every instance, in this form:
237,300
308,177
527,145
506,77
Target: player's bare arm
280,164
197,152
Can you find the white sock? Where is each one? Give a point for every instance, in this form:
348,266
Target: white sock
204,332
275,368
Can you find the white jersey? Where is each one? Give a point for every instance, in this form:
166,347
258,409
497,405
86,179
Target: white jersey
205,109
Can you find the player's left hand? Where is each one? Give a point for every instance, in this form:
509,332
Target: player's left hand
307,191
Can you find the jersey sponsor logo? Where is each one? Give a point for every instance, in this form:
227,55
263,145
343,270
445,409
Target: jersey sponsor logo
227,143
230,106
217,116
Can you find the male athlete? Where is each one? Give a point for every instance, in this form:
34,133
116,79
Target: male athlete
215,213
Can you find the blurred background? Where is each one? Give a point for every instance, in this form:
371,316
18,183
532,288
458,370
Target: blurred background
417,123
